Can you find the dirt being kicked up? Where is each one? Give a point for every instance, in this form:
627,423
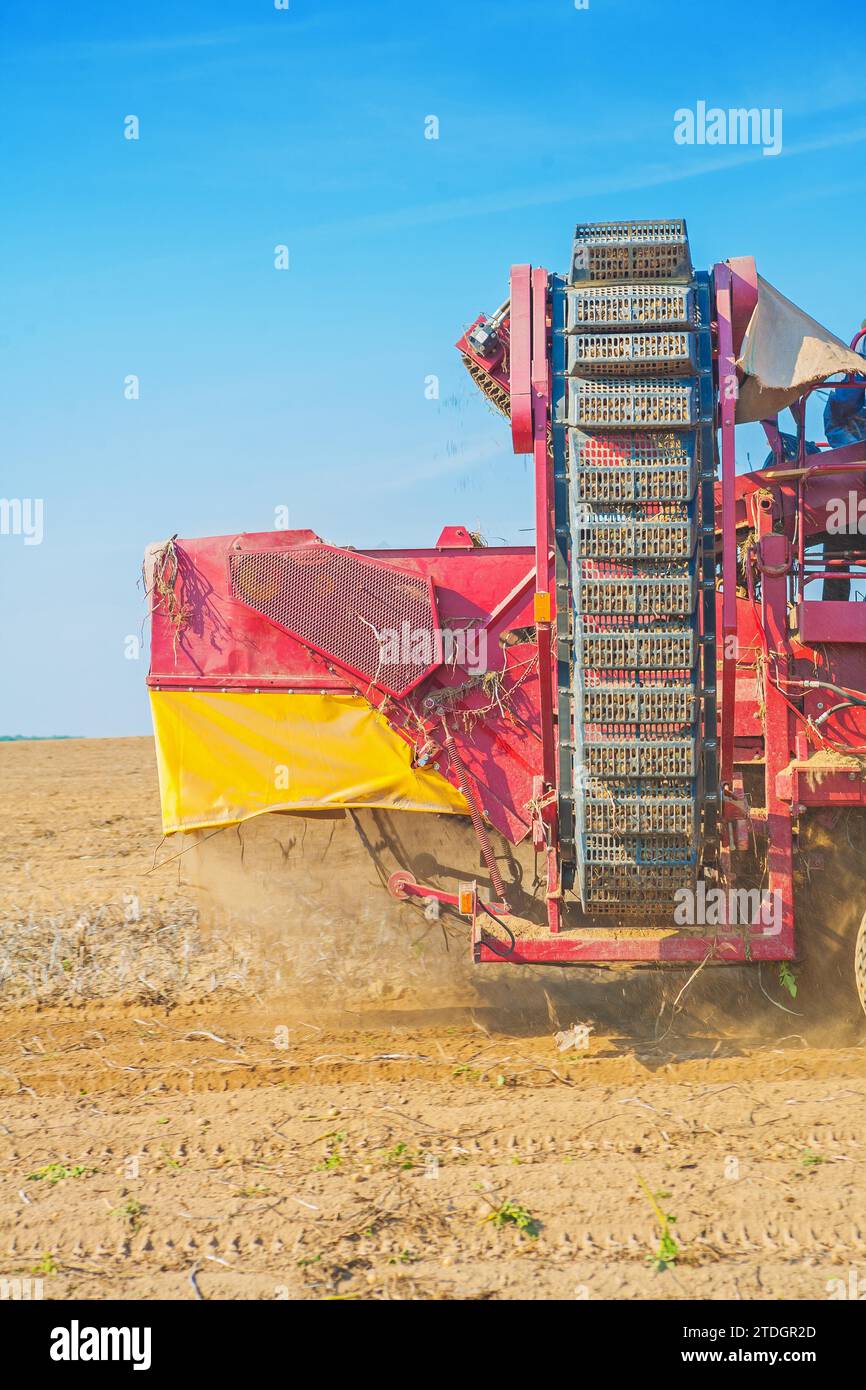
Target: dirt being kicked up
179,1123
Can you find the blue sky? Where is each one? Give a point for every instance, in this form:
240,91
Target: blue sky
305,388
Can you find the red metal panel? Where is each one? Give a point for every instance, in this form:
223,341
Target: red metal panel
540,369
221,643
454,538
840,723
521,358
496,737
727,377
805,784
544,526
823,493
831,621
744,295
776,670
546,809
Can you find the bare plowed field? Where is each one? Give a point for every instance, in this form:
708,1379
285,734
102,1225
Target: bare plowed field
174,1124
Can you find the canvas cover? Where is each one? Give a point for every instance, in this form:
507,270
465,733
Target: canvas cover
224,757
783,352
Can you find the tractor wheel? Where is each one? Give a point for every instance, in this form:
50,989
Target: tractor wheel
860,962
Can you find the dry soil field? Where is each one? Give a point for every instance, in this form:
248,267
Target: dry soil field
174,1126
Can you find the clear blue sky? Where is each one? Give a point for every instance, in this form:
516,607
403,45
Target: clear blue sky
305,388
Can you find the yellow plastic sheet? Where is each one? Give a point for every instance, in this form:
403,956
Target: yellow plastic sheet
225,757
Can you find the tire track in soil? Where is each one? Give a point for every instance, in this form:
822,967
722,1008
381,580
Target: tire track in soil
332,1173
361,1162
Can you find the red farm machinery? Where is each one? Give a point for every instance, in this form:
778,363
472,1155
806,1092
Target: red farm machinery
618,738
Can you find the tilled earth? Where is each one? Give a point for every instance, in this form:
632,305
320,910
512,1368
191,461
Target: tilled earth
198,1139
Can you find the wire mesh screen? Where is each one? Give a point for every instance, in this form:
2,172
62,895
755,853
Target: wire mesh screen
376,621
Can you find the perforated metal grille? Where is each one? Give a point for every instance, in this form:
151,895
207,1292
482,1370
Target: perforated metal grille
668,758
627,807
659,449
605,251
615,306
668,230
376,621
635,484
616,594
663,648
631,352
634,704
657,466
621,533
599,848
630,890
647,403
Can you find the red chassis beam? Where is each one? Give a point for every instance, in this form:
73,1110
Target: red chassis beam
673,949
723,278
530,413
